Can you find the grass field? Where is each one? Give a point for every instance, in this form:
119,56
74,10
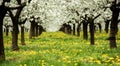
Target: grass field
59,49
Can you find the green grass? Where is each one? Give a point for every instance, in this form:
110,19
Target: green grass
59,49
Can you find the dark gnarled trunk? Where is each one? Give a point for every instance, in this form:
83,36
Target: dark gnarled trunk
114,24
22,36
3,11
36,29
92,28
68,29
40,29
15,35
100,27
15,31
107,26
2,54
112,38
21,23
78,29
7,30
92,33
113,30
73,29
32,30
85,32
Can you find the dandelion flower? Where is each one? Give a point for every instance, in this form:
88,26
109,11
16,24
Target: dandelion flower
98,61
20,64
25,64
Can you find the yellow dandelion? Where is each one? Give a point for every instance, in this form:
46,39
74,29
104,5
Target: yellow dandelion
59,60
117,56
67,56
118,63
75,64
64,65
39,60
103,48
64,59
111,58
104,55
43,63
107,61
118,60
96,42
91,59
88,43
25,64
98,61
52,65
113,61
110,65
76,43
108,49
69,61
20,64
80,50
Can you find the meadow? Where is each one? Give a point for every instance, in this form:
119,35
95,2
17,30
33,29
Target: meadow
59,49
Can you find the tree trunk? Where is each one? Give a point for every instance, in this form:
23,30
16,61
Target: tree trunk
31,31
73,29
113,26
66,30
113,30
2,54
15,29
92,33
36,30
112,37
15,36
7,30
22,36
3,11
116,29
85,32
78,29
92,28
107,26
40,30
69,29
100,27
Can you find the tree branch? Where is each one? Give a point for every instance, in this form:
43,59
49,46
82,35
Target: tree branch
23,22
10,13
107,1
19,2
18,12
96,16
77,13
29,1
13,8
118,20
20,9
